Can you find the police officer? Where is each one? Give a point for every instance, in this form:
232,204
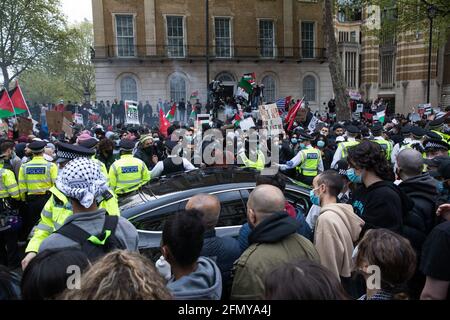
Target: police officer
91,144
172,164
418,135
437,126
342,150
377,130
36,177
128,173
308,161
252,158
435,148
407,138
58,208
9,193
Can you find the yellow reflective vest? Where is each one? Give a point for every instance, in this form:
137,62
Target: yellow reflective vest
444,137
259,164
8,184
347,145
37,177
128,174
386,146
310,164
102,167
57,209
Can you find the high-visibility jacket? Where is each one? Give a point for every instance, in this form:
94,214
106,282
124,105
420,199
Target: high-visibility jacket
102,167
37,176
444,137
310,164
8,184
347,145
128,174
386,146
57,209
259,164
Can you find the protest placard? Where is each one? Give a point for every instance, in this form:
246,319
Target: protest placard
246,124
25,126
131,112
271,119
67,128
55,119
78,118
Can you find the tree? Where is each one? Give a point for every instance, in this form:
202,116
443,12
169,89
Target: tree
343,111
29,31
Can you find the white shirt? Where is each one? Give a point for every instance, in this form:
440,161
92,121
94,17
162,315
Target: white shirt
396,149
159,167
338,154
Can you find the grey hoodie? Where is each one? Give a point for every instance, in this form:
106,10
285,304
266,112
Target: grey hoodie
337,229
205,283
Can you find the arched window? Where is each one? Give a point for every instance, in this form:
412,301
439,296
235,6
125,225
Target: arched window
177,88
128,89
269,89
225,77
309,88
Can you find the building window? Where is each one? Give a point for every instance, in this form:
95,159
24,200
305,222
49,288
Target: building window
269,89
387,70
353,36
350,69
308,39
309,88
177,88
223,37
175,37
128,89
225,77
125,35
266,38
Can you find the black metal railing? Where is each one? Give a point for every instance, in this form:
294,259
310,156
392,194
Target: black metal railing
215,52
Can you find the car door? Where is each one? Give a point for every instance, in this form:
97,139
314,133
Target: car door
233,213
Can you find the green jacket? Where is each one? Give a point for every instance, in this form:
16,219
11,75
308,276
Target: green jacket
251,269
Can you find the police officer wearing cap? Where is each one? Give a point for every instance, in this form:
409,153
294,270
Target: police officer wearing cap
58,208
437,127
377,130
308,162
128,173
91,144
418,135
407,138
435,148
342,150
9,194
36,177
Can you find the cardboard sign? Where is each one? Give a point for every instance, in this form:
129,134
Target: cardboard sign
55,119
131,112
25,126
271,119
246,124
67,128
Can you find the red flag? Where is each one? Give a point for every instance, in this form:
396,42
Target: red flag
6,106
18,100
287,101
294,114
163,123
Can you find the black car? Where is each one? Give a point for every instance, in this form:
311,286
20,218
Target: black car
148,208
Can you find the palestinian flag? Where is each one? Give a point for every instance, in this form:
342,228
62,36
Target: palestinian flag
6,106
163,123
18,101
237,120
381,114
245,86
194,95
171,115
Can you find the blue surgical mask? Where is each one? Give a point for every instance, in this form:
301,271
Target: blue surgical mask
294,141
189,139
321,143
314,198
353,177
440,187
302,146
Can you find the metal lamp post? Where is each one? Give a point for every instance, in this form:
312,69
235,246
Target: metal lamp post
207,48
431,11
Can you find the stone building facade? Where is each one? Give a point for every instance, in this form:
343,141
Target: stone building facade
155,49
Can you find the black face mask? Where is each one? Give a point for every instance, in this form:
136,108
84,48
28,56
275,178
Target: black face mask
148,150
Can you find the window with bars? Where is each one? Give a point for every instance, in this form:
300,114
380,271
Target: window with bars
309,88
350,69
177,88
269,89
125,35
387,70
223,37
266,38
175,37
308,39
128,89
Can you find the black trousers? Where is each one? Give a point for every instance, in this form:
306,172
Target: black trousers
9,250
35,204
305,179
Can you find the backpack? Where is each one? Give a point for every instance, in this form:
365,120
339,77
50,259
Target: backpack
96,246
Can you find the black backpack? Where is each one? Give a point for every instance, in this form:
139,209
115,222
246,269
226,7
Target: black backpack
96,246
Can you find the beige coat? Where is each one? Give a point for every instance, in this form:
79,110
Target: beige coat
337,229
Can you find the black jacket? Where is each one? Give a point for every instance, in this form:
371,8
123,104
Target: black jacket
274,229
419,221
147,158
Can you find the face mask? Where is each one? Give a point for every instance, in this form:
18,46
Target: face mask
148,150
440,187
189,139
294,141
321,144
314,198
155,139
351,175
302,146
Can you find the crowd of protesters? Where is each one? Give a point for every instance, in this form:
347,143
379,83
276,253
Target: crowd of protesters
380,195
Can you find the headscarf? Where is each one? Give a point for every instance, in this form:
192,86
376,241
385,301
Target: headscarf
82,179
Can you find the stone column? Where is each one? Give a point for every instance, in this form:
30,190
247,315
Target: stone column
150,27
99,29
288,28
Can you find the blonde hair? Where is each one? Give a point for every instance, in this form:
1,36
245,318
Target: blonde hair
120,275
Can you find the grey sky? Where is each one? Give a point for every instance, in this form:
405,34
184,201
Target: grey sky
77,10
